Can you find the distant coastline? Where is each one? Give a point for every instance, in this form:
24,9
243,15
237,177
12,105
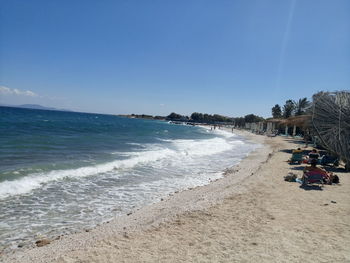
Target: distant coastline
33,106
143,116
199,118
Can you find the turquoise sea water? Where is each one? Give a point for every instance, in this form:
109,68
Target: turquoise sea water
61,172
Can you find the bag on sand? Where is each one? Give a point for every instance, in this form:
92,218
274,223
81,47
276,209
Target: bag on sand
290,177
335,179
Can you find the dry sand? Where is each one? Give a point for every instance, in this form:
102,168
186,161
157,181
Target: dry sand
250,215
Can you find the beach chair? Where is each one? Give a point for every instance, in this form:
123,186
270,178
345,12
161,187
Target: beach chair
297,157
313,177
329,160
271,134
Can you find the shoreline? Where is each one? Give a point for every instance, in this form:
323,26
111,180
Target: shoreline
152,215
14,240
154,225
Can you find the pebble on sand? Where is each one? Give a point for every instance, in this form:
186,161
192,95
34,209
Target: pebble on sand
42,242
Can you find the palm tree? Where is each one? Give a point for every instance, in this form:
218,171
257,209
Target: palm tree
301,106
288,109
276,111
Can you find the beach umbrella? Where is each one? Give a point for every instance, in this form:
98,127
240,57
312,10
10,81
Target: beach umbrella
331,122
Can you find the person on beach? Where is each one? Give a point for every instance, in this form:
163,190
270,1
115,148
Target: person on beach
307,138
313,155
297,156
297,150
328,177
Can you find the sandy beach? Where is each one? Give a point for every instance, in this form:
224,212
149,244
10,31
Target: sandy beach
250,215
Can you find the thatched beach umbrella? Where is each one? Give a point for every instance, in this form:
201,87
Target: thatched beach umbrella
331,122
271,125
302,121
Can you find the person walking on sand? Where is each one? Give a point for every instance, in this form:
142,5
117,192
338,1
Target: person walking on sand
307,138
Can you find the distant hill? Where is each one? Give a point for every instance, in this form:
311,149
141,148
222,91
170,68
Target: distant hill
33,106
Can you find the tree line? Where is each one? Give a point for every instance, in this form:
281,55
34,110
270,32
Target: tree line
198,117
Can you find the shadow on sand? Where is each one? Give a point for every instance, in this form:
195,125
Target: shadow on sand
311,187
297,141
298,168
286,151
334,169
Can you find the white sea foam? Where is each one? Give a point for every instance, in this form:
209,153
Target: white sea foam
64,201
33,181
207,147
179,152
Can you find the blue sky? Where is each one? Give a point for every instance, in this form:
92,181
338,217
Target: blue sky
228,57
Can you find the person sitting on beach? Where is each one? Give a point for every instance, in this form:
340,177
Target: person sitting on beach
314,154
297,150
297,156
328,177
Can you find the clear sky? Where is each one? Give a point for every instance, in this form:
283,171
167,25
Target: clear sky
231,57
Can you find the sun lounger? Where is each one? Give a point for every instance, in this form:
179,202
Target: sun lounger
271,135
297,157
329,160
314,177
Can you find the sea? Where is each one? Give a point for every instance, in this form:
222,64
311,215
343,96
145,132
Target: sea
63,172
